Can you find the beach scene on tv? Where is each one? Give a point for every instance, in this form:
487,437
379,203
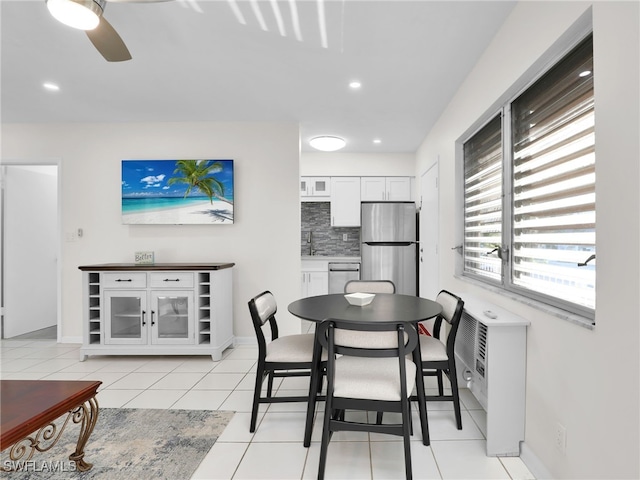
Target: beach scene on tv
177,192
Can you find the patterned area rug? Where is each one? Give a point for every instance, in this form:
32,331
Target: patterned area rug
132,443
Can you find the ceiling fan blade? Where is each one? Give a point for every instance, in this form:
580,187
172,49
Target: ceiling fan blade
107,41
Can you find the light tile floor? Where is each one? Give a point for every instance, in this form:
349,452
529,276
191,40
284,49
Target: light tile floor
275,450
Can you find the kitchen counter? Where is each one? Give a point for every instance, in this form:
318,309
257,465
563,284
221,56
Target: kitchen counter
322,258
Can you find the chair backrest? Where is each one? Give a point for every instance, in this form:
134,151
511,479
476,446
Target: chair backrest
343,337
263,309
452,307
370,286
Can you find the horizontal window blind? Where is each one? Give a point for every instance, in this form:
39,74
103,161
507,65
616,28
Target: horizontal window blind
553,202
483,201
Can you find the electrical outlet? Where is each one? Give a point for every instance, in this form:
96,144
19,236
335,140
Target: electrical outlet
345,237
561,438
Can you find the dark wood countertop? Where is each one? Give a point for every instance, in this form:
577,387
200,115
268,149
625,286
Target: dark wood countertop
112,267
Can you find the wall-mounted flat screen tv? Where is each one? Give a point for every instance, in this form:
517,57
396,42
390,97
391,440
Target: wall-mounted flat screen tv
177,192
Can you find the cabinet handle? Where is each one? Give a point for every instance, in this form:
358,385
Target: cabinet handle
152,314
142,317
123,280
171,280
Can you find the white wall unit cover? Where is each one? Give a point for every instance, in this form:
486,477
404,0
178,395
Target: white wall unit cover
491,352
168,309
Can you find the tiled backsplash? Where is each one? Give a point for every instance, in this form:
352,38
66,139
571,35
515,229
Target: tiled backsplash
326,240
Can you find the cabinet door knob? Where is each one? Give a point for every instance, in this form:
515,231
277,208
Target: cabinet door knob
143,314
152,314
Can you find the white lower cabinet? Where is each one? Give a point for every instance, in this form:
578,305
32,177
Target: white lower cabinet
160,312
315,283
315,278
141,318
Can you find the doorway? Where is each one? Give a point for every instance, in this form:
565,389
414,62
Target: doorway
29,253
429,229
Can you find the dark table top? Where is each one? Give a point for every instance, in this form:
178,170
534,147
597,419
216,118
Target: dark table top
385,307
112,267
27,405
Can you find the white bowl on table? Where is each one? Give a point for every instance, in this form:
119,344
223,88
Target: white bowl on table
360,299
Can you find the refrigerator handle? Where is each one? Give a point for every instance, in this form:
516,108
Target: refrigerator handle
390,244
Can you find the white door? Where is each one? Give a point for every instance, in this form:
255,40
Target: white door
428,251
30,246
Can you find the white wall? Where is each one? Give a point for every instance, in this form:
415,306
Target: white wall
357,164
263,242
587,380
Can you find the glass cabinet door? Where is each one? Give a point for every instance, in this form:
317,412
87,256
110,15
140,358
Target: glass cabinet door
125,315
172,317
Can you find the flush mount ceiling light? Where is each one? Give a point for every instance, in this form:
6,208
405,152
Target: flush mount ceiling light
81,14
327,143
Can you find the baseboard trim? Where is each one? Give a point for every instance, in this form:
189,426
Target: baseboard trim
70,340
245,341
533,463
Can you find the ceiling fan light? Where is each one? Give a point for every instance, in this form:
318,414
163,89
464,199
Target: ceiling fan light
327,143
81,14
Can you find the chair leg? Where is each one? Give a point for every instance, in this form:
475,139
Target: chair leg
326,435
406,428
256,398
379,418
270,384
453,380
440,384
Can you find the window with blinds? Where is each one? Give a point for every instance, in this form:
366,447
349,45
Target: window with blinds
483,202
554,199
541,238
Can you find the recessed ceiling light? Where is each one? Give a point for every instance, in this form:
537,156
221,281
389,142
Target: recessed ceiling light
52,87
585,73
355,85
377,140
327,143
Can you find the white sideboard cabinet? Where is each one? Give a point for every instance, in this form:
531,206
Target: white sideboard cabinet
161,309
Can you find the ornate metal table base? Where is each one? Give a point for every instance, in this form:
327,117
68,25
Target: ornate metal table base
28,405
47,437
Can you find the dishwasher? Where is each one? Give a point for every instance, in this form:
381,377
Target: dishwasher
340,273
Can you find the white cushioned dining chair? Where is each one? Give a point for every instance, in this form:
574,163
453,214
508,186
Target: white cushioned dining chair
372,374
438,358
286,356
370,286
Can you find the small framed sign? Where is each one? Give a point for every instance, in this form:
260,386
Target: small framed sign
144,258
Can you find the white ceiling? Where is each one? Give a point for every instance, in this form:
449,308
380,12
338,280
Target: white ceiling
193,60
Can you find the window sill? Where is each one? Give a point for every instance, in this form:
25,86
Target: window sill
543,307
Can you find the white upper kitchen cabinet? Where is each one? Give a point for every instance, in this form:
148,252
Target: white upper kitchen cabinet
386,189
315,188
345,201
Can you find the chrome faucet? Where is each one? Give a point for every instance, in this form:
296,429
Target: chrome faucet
310,242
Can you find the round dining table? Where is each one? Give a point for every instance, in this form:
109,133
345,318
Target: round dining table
385,308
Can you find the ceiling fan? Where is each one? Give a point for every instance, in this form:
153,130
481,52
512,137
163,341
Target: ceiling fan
87,15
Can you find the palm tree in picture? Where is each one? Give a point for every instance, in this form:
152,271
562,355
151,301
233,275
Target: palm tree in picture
199,174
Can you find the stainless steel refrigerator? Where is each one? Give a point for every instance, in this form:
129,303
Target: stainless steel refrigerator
389,244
